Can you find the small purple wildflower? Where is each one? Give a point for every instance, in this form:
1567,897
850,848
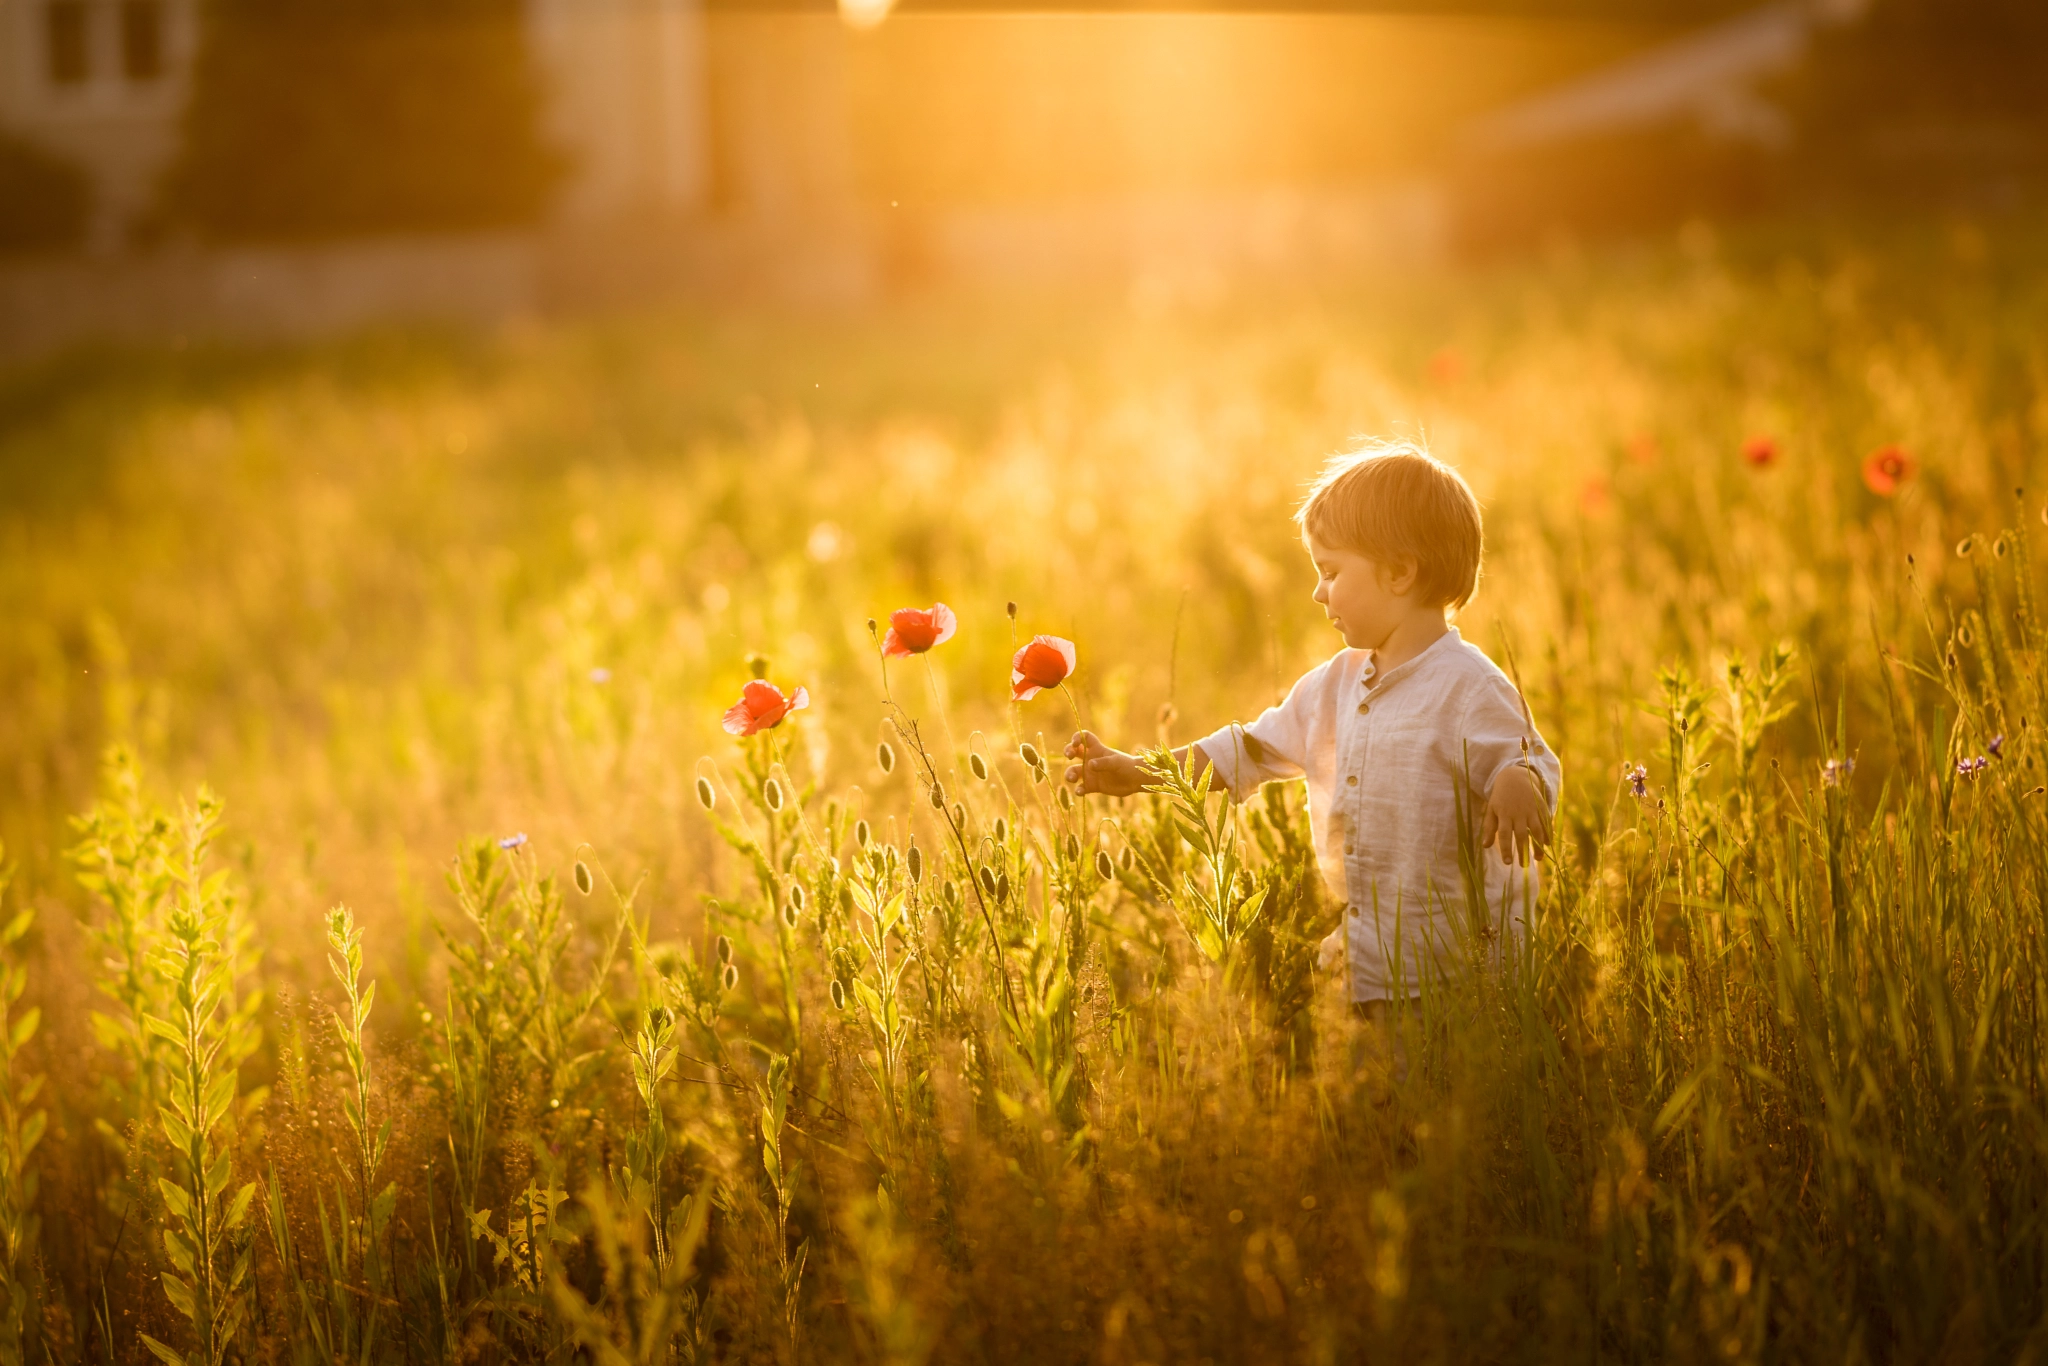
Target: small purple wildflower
600,675
1835,772
1970,768
512,841
1997,746
1638,779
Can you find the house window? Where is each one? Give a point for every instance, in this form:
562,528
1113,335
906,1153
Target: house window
142,39
65,42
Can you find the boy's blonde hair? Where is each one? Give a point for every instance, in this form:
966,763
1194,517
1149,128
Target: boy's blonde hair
1393,501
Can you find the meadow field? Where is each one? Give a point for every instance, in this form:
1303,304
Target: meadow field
854,1040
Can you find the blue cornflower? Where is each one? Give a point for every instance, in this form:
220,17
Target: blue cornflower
512,841
1970,768
1835,772
1997,746
1638,779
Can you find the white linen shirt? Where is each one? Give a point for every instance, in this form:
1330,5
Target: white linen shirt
1386,757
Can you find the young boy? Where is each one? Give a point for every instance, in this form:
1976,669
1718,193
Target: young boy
1406,736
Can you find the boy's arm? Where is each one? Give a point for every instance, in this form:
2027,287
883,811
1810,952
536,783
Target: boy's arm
1113,773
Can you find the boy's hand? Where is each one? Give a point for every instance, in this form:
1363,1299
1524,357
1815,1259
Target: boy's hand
1098,768
1517,817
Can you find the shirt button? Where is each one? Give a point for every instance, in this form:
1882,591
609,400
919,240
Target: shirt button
1351,781
1363,708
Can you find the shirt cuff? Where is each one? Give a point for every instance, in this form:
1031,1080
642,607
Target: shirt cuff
1230,757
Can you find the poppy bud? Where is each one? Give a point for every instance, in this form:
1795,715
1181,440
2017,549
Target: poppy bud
938,797
1002,887
1038,775
1029,753
731,976
1125,859
771,793
951,893
886,757
960,814
757,666
914,860
706,796
1012,607
1066,800
1074,848
789,914
860,833
796,897
1104,869
979,766
724,948
988,879
838,995
846,899
583,882
873,626
1002,831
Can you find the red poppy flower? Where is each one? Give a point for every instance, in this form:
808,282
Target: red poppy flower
912,632
1596,495
762,707
1760,451
1044,663
1886,469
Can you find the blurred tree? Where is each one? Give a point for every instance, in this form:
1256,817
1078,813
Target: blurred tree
329,118
1925,95
43,199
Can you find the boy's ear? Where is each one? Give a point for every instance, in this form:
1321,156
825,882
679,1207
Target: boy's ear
1398,576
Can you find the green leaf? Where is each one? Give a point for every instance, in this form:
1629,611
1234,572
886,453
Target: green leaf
175,1198
25,1027
164,1029
239,1210
163,1352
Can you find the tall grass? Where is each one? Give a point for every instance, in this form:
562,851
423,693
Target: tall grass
859,1039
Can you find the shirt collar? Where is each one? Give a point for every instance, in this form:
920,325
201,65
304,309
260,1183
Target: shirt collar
1375,682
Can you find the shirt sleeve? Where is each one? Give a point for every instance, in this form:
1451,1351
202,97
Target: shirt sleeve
1492,731
1270,749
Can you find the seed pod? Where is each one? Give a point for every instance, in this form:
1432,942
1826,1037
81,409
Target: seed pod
886,757
1073,848
979,766
707,797
838,995
960,814
1002,831
861,834
1104,869
583,882
1013,611
951,893
724,948
796,897
730,978
938,797
1002,887
1066,800
789,910
988,879
771,793
914,861
1029,753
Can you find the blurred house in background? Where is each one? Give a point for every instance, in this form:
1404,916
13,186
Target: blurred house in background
168,166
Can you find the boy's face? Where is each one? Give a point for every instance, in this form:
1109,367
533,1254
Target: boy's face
1365,600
